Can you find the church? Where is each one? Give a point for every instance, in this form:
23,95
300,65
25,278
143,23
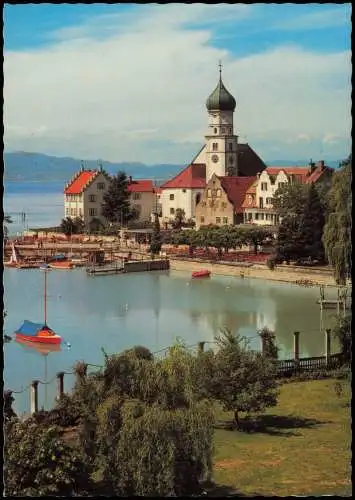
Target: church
222,155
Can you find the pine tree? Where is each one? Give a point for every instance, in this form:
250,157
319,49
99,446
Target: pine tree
156,241
310,232
116,206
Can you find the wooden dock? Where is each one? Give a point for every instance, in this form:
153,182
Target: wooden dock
129,267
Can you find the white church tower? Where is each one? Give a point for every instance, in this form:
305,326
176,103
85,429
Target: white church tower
221,144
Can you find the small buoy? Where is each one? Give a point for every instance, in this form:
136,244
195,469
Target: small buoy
68,344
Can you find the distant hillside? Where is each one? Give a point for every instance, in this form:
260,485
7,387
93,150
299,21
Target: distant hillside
39,167
300,163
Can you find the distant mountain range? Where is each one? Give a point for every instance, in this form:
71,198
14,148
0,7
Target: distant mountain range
22,166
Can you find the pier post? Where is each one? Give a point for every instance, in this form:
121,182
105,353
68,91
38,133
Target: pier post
60,384
201,346
296,346
34,397
327,344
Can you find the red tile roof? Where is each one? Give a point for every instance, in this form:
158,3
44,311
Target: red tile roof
141,186
236,187
302,173
192,177
80,181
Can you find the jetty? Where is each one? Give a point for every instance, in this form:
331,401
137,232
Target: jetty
340,303
129,267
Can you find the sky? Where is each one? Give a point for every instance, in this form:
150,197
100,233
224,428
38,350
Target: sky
129,82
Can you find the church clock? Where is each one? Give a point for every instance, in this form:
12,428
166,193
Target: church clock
214,158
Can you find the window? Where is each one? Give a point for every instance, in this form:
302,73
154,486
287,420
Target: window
267,216
215,146
269,201
224,205
72,211
92,198
264,186
256,216
250,216
92,212
261,202
214,193
184,190
262,216
202,219
67,211
223,130
225,220
218,220
172,210
281,185
219,193
215,131
171,197
100,185
137,196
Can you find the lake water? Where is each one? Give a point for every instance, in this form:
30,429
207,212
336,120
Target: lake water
150,309
43,203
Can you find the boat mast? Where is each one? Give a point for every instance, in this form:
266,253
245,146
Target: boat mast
45,297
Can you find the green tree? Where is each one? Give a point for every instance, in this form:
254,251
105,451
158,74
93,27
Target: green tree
179,218
311,226
116,205
38,463
70,226
287,243
255,236
342,331
244,380
290,200
156,241
337,230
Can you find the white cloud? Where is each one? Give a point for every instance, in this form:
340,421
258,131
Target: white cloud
137,91
320,19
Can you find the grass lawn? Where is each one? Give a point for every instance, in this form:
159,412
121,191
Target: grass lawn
301,447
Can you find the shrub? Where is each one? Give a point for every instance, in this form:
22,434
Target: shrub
38,463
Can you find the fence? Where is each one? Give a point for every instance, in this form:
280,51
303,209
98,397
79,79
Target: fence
285,368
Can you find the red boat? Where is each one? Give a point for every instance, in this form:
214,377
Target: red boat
38,332
204,273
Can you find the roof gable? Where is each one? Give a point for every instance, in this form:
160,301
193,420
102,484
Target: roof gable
192,177
141,186
236,188
80,181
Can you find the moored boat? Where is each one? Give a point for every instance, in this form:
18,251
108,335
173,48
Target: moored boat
203,273
62,265
37,332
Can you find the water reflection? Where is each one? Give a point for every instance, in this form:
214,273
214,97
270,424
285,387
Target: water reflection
152,309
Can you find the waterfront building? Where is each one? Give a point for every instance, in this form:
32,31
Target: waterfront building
142,197
257,204
222,155
83,196
221,201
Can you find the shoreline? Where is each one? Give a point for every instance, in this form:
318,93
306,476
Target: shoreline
317,277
